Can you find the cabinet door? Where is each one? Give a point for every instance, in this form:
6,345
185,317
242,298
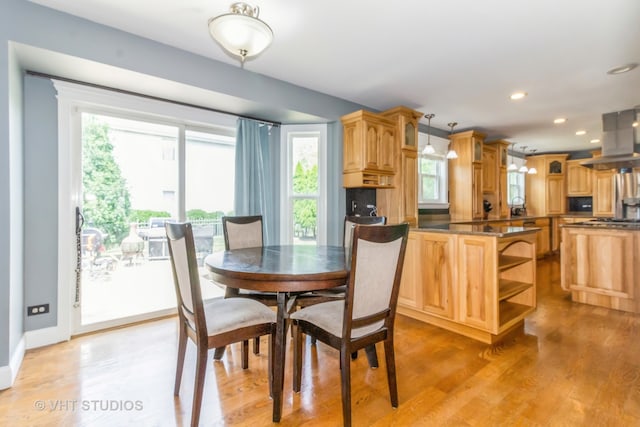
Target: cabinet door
372,138
476,196
386,148
438,279
409,162
556,203
477,282
489,169
353,150
543,237
603,193
503,203
410,282
578,179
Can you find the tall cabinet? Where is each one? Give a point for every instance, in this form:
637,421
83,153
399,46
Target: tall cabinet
400,204
494,177
546,190
465,176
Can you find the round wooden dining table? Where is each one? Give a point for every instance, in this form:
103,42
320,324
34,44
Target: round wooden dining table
287,270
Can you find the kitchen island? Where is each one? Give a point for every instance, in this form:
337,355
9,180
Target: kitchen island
600,263
477,280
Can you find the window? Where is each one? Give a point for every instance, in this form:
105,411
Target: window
515,188
432,173
304,191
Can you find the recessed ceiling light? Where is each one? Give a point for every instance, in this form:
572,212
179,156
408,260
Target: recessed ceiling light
623,68
594,141
581,132
560,120
634,124
518,95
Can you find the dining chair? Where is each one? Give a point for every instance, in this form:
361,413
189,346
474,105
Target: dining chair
212,323
340,291
367,313
245,232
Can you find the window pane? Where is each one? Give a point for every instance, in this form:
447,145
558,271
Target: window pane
305,223
209,175
304,155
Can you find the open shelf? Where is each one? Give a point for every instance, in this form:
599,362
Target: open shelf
509,288
511,310
506,262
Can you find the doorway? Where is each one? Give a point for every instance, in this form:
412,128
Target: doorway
137,174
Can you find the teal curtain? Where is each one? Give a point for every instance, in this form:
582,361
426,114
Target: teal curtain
256,174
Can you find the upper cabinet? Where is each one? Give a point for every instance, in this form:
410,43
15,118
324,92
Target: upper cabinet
579,179
369,142
466,176
494,177
546,191
400,203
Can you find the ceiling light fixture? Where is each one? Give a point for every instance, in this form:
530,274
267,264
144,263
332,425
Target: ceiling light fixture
533,170
594,141
518,95
623,68
634,124
241,32
581,132
524,168
560,120
451,154
428,149
512,167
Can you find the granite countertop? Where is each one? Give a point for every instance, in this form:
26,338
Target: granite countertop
480,229
626,226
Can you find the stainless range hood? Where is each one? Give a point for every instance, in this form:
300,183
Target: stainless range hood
618,139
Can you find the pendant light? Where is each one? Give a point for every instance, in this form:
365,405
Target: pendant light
512,166
532,171
524,168
451,154
428,149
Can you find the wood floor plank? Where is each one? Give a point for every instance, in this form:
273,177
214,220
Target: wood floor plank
574,365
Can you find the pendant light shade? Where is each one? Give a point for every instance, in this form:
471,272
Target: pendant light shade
512,167
451,154
240,31
428,149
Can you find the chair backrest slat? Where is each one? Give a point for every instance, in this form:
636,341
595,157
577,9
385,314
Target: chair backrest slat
376,269
184,265
351,221
242,232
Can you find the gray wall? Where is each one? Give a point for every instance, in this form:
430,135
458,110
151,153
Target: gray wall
26,25
40,199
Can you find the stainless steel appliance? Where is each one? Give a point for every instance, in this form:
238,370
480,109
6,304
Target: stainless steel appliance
628,194
618,138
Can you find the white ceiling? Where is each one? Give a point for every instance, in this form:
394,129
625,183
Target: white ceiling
459,59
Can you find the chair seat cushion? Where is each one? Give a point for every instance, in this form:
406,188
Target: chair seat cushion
225,315
329,316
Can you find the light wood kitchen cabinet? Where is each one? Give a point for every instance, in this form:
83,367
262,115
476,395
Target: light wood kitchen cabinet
465,176
489,168
369,150
578,179
400,204
481,286
604,193
557,223
546,191
543,237
494,177
601,266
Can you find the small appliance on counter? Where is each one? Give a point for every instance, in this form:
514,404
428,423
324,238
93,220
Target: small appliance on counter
518,207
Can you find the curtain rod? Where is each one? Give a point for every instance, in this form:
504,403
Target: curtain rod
142,95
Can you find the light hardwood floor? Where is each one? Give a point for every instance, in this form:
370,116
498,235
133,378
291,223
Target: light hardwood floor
575,365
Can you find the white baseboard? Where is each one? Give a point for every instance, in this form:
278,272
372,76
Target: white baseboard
9,373
42,337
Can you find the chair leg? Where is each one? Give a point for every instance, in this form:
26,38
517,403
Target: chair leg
391,371
272,338
201,370
256,345
245,354
218,353
297,357
182,348
372,356
345,375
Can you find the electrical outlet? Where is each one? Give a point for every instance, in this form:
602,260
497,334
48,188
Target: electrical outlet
354,205
37,309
